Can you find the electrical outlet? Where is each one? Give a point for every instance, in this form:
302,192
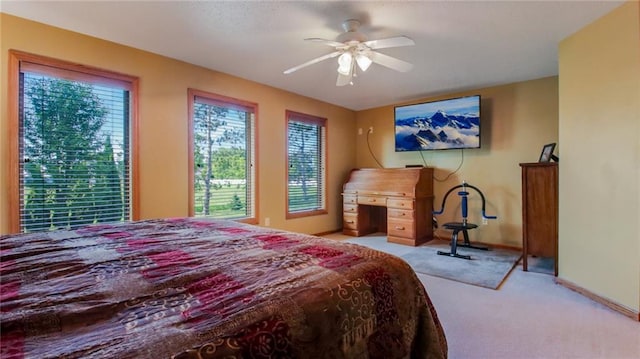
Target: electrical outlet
267,221
360,131
371,129
485,221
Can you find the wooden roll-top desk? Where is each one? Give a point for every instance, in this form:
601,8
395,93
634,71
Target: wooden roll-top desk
398,201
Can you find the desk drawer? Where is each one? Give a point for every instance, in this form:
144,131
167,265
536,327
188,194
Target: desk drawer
400,213
349,221
372,201
349,208
401,228
349,199
400,203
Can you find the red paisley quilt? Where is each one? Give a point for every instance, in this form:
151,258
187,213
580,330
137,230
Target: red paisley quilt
197,288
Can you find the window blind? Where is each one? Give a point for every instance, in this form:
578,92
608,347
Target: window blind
306,153
224,148
74,151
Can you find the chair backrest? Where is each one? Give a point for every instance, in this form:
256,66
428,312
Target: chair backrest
464,194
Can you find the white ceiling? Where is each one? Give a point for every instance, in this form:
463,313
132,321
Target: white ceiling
460,45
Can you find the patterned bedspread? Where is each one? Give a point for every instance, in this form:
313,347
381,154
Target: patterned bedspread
197,288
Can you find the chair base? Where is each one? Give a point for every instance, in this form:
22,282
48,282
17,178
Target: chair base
456,255
457,227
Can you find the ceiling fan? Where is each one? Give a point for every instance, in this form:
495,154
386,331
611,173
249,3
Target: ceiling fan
352,47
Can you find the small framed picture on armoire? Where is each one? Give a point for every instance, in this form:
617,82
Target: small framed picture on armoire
547,153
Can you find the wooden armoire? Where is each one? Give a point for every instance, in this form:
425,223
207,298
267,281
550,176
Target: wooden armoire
540,211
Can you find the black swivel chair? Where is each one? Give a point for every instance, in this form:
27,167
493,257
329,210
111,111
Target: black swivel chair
463,226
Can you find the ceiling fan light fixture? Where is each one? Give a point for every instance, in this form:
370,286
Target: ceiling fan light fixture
344,63
363,62
355,52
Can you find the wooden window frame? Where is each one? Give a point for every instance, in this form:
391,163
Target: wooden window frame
67,70
231,103
314,120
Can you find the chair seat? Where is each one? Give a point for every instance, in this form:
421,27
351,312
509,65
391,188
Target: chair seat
459,225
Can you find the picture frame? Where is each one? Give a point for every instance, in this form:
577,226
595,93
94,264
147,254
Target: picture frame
547,153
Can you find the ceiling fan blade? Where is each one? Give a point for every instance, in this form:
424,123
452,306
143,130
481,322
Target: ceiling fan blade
313,61
326,42
390,62
390,42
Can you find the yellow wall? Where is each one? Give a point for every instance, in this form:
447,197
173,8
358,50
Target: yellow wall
516,121
600,169
163,137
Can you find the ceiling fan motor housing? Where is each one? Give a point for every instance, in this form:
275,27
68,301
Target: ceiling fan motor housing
351,35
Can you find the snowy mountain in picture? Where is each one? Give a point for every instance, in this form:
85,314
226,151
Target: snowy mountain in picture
447,124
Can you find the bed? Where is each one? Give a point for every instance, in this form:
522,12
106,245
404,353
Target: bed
200,288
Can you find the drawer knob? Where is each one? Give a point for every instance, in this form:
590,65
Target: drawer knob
350,222
400,228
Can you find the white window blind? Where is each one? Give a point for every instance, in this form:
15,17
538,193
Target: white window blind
74,149
306,156
223,156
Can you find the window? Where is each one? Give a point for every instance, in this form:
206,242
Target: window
306,167
222,157
74,155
